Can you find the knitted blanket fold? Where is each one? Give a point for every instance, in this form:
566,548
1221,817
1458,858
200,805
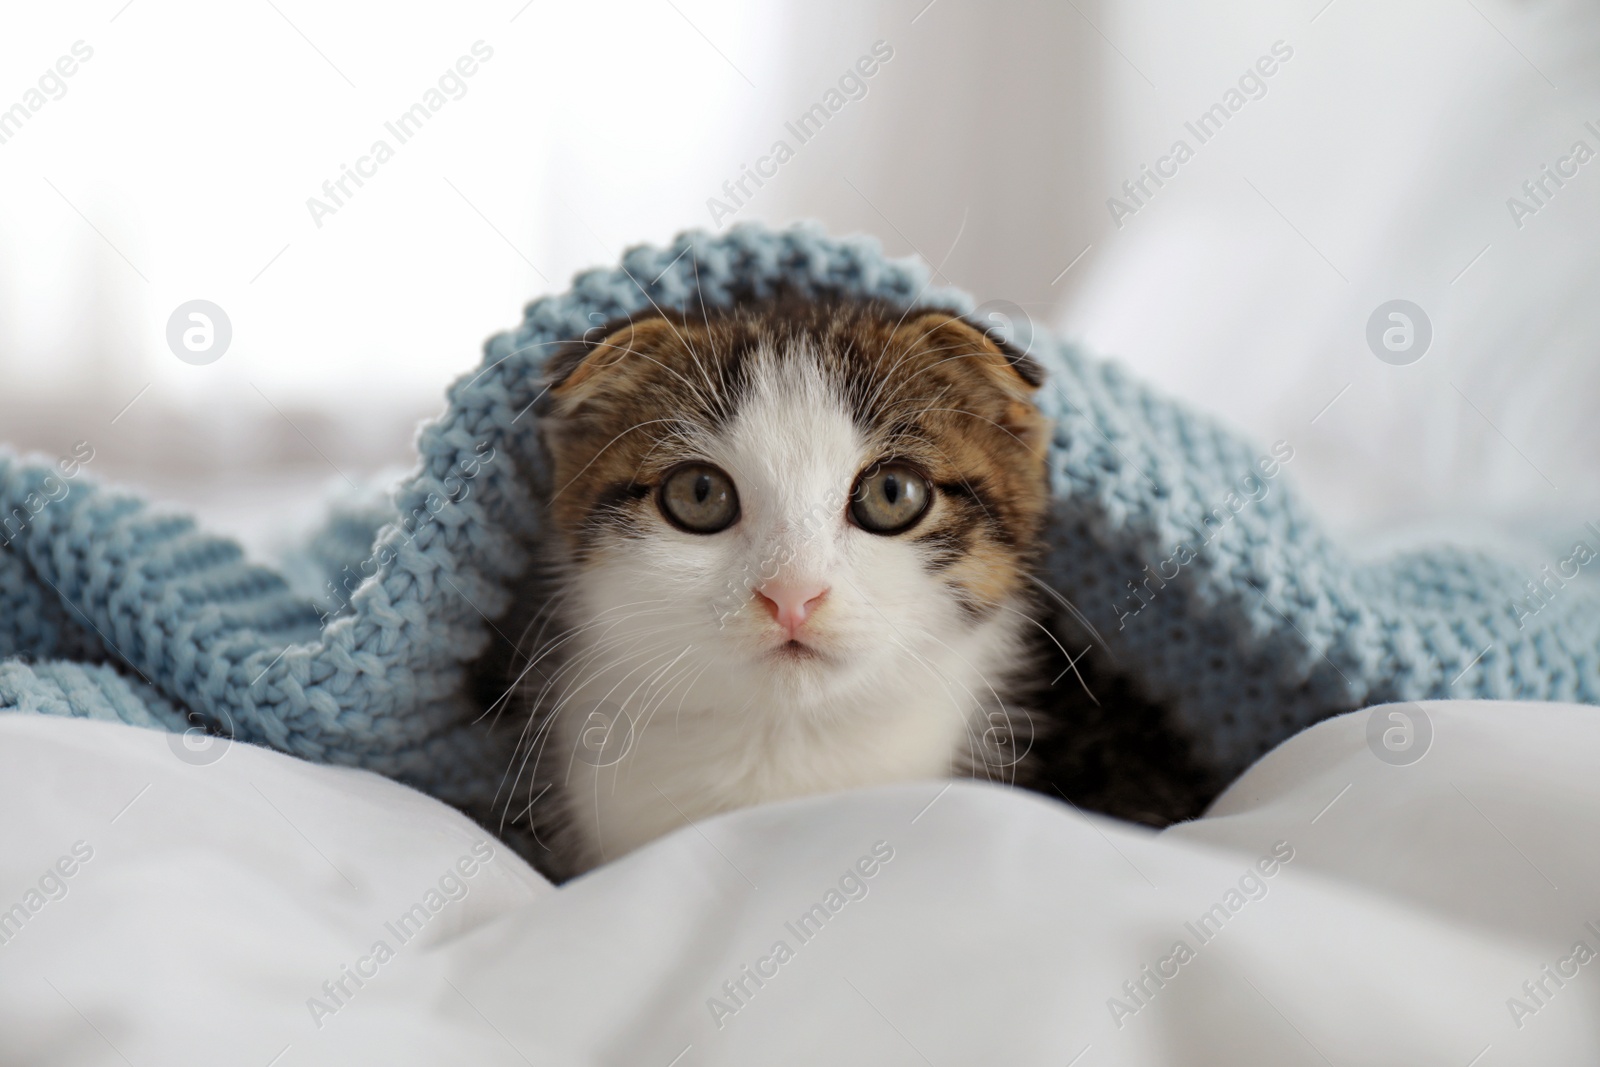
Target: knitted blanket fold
1182,547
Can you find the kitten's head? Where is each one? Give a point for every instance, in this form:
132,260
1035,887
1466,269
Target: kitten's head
795,506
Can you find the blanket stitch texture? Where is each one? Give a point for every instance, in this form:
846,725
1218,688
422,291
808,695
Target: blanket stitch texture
110,609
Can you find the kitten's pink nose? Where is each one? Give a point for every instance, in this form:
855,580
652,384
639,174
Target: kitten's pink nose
791,604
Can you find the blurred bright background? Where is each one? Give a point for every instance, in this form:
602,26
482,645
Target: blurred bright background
1375,163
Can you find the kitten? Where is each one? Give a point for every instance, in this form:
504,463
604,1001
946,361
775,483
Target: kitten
791,554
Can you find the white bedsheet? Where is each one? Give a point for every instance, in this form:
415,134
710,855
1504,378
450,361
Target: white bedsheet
210,899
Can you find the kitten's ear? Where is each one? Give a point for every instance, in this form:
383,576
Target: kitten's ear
1007,365
608,357
961,348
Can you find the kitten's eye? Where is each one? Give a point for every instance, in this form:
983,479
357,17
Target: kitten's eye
699,498
889,498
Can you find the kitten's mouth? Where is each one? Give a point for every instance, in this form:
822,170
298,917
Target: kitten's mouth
795,651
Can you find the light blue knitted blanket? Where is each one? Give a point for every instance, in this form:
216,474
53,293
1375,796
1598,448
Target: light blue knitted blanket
1211,586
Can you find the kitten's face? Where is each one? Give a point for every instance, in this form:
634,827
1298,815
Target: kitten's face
791,511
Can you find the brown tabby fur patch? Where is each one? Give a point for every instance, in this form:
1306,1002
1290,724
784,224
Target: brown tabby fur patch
924,387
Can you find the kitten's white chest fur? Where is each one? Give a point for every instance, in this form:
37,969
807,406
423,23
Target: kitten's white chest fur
675,697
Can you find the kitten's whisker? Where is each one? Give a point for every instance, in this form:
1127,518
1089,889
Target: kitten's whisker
710,334
668,320
677,721
982,418
890,379
661,698
547,716
933,668
602,451
607,697
606,644
549,682
912,303
644,355
551,648
999,703
1074,611
1072,664
526,814
652,679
